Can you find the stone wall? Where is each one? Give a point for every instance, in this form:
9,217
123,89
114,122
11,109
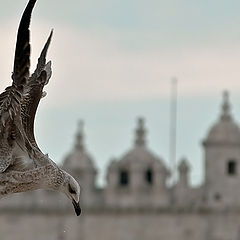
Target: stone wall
125,224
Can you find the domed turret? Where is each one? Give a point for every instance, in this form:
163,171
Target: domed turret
225,131
139,154
80,164
136,174
222,159
79,160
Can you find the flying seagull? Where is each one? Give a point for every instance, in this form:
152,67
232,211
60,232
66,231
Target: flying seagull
23,166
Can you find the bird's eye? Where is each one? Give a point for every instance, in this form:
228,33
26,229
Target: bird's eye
71,190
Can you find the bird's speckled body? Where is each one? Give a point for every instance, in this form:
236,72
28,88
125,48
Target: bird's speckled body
47,177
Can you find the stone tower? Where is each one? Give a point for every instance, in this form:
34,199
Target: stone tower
222,160
80,164
136,176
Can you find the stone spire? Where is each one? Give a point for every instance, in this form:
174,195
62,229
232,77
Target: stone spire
183,166
183,169
140,133
226,108
80,136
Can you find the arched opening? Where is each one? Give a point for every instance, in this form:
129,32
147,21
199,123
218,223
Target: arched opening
231,167
123,178
149,176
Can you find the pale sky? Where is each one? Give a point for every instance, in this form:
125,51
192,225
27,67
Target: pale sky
113,61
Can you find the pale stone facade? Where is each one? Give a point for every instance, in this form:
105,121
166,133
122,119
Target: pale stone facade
136,203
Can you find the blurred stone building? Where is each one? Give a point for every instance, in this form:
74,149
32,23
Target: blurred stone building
136,203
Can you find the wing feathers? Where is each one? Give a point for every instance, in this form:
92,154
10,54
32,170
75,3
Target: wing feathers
48,69
42,59
39,78
5,160
18,103
11,128
30,105
22,53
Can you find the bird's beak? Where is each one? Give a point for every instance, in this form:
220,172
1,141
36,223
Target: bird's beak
77,207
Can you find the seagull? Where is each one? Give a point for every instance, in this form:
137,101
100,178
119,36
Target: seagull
23,166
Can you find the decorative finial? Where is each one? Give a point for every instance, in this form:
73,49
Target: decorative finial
183,166
226,107
80,126
80,136
140,133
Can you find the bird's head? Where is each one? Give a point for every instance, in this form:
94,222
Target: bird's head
71,189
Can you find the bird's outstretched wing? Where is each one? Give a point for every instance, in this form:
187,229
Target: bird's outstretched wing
34,93
22,52
10,99
11,129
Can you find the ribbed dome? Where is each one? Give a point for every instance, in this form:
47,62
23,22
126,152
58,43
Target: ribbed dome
225,130
79,159
140,154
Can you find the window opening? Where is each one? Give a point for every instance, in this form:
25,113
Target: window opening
232,167
123,178
149,176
